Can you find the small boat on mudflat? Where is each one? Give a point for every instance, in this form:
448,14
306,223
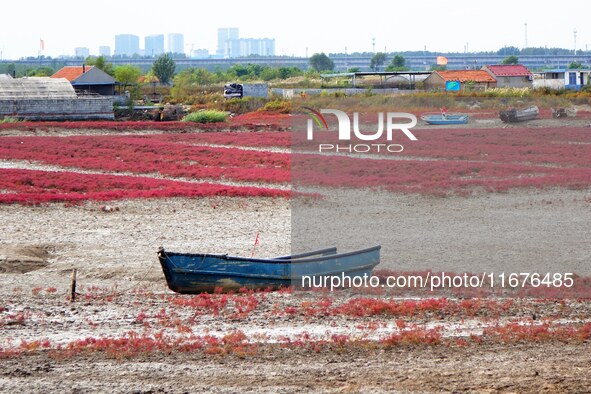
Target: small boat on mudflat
193,273
441,119
519,115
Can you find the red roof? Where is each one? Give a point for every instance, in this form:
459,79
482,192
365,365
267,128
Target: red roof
466,75
509,70
71,72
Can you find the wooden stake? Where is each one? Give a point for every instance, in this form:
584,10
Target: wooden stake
73,286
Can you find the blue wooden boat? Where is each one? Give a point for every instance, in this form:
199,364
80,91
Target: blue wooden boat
193,273
440,119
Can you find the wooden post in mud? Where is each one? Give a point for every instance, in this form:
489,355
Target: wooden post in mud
73,286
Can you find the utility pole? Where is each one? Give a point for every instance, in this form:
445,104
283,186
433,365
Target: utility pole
373,43
575,35
525,24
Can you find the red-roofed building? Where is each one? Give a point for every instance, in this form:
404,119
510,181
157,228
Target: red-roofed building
468,79
510,75
88,80
71,73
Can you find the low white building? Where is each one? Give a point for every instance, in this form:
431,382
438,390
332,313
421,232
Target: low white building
560,78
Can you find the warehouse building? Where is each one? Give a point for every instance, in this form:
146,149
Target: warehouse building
44,98
466,80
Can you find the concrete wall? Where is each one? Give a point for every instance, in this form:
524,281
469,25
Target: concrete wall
434,81
255,90
290,93
549,83
513,82
82,108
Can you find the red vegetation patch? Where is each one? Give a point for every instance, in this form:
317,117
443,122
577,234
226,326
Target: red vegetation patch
530,332
280,139
444,161
262,118
177,323
432,177
366,306
441,162
35,187
415,336
134,344
254,120
110,125
561,146
149,154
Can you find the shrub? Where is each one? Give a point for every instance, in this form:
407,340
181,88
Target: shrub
507,92
241,105
269,74
9,119
278,106
208,116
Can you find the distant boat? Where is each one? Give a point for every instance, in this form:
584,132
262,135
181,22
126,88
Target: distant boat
190,273
440,119
521,115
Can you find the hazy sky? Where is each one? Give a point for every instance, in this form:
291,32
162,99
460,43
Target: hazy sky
296,25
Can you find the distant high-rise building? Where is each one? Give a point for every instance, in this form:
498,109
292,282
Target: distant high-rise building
154,45
243,47
199,54
257,46
233,48
82,52
176,43
231,45
127,45
105,51
225,35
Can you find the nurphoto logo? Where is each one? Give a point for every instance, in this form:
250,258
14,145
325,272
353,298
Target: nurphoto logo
345,135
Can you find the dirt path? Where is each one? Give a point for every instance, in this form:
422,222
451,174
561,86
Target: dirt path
534,368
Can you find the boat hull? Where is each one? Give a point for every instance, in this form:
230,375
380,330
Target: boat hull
197,273
443,120
523,115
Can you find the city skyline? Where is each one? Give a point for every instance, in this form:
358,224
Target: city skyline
154,46
307,28
230,44
129,44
